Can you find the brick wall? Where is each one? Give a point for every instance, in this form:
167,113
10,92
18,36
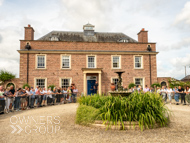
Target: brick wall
78,61
59,45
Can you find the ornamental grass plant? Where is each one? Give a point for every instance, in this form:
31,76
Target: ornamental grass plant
147,109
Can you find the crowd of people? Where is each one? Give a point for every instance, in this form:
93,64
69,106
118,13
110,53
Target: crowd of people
167,93
27,98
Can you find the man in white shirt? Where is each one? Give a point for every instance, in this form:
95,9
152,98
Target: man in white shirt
169,93
44,96
163,93
49,96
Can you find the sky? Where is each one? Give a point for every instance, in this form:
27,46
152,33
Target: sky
167,22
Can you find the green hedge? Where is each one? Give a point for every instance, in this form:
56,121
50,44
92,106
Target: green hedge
86,114
146,108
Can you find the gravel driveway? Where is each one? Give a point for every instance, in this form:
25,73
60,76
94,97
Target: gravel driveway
56,124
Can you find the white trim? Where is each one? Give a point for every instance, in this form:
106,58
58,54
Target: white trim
142,65
60,85
61,61
95,61
40,78
36,61
119,61
143,81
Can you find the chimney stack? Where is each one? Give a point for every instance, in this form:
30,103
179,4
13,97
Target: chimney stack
143,36
29,33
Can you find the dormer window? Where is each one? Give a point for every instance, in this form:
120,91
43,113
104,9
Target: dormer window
54,38
88,29
123,40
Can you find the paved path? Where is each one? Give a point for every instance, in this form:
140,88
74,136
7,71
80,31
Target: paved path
61,118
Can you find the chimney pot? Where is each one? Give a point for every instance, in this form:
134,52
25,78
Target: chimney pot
28,25
142,29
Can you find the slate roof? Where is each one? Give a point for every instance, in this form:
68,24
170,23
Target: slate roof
80,37
186,78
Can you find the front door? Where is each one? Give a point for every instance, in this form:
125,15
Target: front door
90,86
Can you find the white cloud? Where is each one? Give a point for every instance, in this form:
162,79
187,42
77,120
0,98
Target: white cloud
1,2
184,15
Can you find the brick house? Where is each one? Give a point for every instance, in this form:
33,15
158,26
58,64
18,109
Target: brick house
65,57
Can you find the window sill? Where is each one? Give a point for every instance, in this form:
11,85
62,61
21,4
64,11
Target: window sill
139,68
41,68
66,69
116,68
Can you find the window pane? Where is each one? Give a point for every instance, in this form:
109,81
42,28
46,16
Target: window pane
40,61
115,80
91,62
138,63
116,63
65,83
40,83
139,81
65,61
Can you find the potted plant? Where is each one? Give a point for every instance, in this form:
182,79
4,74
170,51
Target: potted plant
112,87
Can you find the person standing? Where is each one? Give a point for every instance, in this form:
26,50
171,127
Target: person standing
12,90
49,96
169,93
187,91
134,89
58,95
44,96
74,95
54,95
33,93
9,100
181,92
163,93
69,93
2,98
18,94
23,100
155,89
158,90
146,89
65,94
176,95
96,87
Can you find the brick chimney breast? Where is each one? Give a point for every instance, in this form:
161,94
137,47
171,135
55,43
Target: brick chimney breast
29,33
143,36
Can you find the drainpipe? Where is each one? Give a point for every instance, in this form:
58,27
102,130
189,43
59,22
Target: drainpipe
28,47
149,49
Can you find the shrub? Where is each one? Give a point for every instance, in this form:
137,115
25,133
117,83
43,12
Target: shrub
26,85
131,85
86,114
6,76
51,86
146,108
157,85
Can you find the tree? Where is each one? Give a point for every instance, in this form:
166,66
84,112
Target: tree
157,85
131,85
51,86
6,76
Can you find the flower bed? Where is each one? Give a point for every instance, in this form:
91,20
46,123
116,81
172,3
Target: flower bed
148,110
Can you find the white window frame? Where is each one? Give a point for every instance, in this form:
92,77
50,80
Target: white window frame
142,65
119,61
62,61
45,59
40,78
95,61
143,86
60,80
